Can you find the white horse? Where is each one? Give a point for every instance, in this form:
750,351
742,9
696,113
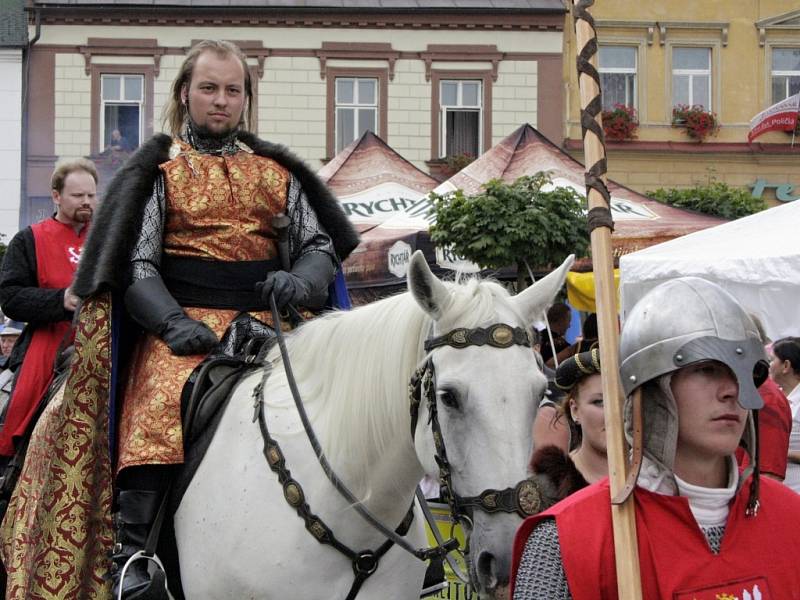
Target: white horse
237,536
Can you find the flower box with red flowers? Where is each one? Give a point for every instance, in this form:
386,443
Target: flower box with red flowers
698,122
620,123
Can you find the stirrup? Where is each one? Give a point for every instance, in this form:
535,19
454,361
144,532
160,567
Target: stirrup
137,556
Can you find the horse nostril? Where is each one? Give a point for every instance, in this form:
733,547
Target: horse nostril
487,571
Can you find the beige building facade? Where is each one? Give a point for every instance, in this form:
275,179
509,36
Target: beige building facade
432,82
734,57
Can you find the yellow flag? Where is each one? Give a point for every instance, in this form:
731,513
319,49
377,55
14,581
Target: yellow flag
580,290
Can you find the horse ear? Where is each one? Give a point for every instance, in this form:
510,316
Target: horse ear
430,293
533,301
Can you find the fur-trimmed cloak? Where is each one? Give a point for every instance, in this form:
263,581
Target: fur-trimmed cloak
118,219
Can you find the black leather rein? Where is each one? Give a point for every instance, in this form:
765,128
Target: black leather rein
364,562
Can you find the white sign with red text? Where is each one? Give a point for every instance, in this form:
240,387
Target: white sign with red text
778,117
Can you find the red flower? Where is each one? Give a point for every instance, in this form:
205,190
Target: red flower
699,122
620,123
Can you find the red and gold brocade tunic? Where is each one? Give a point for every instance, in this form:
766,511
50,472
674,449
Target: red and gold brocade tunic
218,207
221,207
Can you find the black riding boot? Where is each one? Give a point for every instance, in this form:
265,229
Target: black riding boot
137,511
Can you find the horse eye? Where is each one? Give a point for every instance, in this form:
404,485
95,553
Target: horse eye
448,398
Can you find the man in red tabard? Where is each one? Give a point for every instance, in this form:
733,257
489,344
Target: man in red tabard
35,287
774,427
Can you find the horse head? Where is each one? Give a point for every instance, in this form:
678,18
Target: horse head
483,391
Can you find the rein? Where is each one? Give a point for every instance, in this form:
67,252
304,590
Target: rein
364,562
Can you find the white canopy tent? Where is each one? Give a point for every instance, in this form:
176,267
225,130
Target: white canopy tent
755,258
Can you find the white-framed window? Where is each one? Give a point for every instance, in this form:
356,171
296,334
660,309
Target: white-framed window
617,66
121,111
356,108
691,77
460,117
785,73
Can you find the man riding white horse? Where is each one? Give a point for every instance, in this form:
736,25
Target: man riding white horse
185,240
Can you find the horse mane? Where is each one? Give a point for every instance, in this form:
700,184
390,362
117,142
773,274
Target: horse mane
357,364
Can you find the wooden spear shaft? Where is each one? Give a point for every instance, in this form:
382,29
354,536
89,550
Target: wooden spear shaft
623,516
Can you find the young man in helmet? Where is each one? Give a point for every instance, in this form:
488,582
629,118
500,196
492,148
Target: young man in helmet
705,529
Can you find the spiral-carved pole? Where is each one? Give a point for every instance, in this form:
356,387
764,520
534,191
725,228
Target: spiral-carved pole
600,226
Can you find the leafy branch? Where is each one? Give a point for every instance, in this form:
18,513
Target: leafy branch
510,224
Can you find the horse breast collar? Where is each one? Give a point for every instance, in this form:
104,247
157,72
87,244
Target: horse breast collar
525,497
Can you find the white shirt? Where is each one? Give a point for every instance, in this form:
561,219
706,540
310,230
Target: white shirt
793,470
709,506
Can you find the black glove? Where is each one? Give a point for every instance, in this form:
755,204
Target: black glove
306,284
288,289
152,306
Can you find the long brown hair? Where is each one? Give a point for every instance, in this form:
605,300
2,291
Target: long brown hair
175,111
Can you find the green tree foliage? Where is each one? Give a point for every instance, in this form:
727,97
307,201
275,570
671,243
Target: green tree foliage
510,224
2,247
716,198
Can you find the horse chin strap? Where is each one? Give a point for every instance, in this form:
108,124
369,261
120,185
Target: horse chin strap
524,498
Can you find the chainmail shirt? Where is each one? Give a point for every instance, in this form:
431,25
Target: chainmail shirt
146,259
306,234
541,575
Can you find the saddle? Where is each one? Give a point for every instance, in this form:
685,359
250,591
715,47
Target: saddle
203,401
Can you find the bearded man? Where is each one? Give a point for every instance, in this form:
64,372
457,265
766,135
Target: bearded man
35,288
185,241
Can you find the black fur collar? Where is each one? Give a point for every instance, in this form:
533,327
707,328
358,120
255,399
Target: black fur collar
117,221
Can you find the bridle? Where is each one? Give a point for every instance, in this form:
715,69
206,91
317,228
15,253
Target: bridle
524,498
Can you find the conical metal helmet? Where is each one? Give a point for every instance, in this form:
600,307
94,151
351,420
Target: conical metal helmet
688,320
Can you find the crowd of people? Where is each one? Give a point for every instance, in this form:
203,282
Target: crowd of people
185,247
